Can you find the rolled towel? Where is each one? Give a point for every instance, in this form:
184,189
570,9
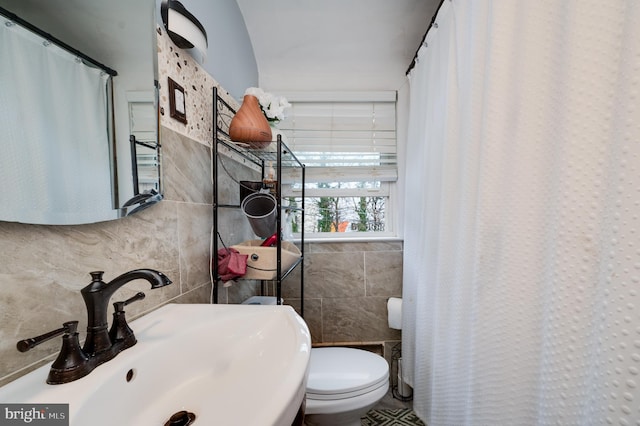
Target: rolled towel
231,264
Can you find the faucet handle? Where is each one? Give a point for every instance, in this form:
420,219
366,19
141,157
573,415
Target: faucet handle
119,306
68,328
120,330
71,363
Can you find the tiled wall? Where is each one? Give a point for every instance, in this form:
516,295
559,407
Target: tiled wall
43,268
346,288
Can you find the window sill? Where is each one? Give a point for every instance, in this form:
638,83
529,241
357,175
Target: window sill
348,239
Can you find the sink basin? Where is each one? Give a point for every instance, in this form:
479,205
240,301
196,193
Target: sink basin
226,364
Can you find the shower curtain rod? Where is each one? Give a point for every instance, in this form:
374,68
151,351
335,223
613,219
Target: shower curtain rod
15,18
424,37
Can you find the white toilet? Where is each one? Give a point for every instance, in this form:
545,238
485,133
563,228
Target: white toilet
344,384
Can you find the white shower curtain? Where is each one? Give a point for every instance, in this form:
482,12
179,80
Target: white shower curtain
522,224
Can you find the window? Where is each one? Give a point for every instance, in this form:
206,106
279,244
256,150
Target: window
348,143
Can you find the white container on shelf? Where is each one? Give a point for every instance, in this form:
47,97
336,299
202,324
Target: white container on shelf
262,261
261,300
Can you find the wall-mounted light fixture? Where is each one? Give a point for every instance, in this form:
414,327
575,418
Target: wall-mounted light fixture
183,28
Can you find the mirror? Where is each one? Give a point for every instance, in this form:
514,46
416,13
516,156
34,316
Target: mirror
120,34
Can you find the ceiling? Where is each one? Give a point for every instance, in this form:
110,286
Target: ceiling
346,45
335,44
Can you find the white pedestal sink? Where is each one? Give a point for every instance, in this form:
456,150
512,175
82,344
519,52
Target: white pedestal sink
225,364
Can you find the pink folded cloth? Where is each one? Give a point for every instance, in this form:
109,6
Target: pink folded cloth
231,264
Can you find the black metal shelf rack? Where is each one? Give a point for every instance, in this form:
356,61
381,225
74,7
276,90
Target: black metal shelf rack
280,159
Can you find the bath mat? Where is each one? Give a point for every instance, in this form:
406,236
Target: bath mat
397,417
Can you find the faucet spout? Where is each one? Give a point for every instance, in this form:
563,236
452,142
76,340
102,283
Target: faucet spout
96,297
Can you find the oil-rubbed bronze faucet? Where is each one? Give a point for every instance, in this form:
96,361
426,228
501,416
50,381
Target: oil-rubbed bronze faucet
97,295
101,345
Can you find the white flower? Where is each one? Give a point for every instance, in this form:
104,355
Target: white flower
272,106
254,91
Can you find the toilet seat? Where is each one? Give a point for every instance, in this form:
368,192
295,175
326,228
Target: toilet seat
340,373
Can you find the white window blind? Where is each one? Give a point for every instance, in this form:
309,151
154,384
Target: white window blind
347,138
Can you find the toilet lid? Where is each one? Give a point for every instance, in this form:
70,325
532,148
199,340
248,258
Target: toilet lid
336,373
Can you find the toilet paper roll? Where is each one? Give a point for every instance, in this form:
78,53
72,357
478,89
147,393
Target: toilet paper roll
394,308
